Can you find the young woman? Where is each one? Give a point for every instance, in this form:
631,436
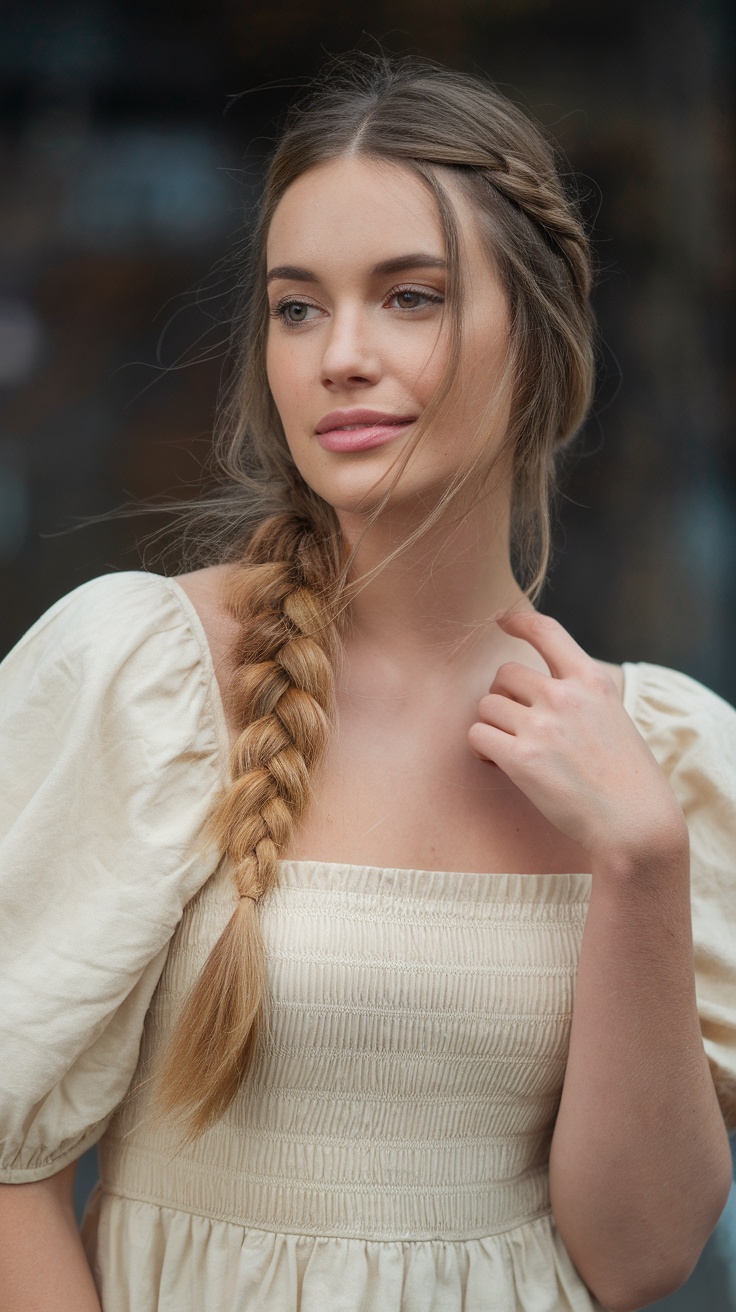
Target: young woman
382,937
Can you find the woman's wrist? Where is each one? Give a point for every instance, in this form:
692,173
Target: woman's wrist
653,856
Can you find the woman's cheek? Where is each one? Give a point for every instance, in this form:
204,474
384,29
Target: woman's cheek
285,381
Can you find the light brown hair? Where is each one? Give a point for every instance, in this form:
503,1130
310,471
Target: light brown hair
290,582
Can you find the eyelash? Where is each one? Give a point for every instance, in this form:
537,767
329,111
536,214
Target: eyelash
278,311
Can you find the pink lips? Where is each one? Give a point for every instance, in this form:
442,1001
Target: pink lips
358,430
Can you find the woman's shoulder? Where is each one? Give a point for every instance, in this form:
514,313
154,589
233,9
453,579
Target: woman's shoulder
106,610
130,640
690,729
102,620
659,697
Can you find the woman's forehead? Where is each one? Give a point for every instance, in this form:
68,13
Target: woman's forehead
359,203
361,212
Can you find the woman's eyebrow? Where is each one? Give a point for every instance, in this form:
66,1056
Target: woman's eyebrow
292,273
399,264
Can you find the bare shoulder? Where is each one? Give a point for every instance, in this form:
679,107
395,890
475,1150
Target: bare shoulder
614,672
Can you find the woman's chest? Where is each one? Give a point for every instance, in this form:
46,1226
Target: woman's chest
405,791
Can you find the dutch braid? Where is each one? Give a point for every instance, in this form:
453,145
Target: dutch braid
539,195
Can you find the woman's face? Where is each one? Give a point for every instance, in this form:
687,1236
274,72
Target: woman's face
357,339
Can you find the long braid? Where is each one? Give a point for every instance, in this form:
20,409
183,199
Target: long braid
282,695
411,112
284,589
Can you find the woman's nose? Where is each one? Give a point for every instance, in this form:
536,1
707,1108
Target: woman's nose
351,357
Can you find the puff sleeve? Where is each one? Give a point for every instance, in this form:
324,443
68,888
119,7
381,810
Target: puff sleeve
692,733
111,752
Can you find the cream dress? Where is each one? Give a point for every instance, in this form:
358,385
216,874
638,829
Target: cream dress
389,1152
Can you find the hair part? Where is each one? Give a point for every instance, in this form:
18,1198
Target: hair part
290,584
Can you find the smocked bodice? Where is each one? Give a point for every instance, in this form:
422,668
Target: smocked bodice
409,1084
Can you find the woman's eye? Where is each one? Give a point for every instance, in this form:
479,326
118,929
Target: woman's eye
409,298
292,313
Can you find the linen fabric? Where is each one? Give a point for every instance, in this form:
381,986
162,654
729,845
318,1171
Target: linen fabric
388,1151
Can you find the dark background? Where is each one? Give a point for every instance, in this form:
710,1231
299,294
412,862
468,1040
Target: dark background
128,167
132,137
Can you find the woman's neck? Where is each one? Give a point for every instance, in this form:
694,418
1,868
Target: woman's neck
433,605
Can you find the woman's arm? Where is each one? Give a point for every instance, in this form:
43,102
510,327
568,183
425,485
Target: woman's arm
640,1167
43,1267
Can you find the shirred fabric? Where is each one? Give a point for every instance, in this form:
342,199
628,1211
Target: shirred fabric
389,1150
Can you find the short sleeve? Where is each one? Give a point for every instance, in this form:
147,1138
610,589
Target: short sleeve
692,734
111,752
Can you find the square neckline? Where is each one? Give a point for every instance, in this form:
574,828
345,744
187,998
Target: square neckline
223,734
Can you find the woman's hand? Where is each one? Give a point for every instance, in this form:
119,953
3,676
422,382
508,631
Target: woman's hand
566,741
639,1166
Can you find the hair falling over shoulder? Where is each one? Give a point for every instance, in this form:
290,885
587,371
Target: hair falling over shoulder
282,694
288,583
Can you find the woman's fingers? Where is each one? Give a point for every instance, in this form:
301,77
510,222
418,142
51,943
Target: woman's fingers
554,644
518,682
500,712
490,744
570,746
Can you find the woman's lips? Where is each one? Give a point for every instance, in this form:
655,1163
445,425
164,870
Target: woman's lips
361,438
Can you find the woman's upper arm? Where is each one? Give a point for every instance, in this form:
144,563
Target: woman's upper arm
110,761
692,733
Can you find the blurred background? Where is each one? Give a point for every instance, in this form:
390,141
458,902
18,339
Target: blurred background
132,140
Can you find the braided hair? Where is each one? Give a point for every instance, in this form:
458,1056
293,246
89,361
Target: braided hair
289,577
